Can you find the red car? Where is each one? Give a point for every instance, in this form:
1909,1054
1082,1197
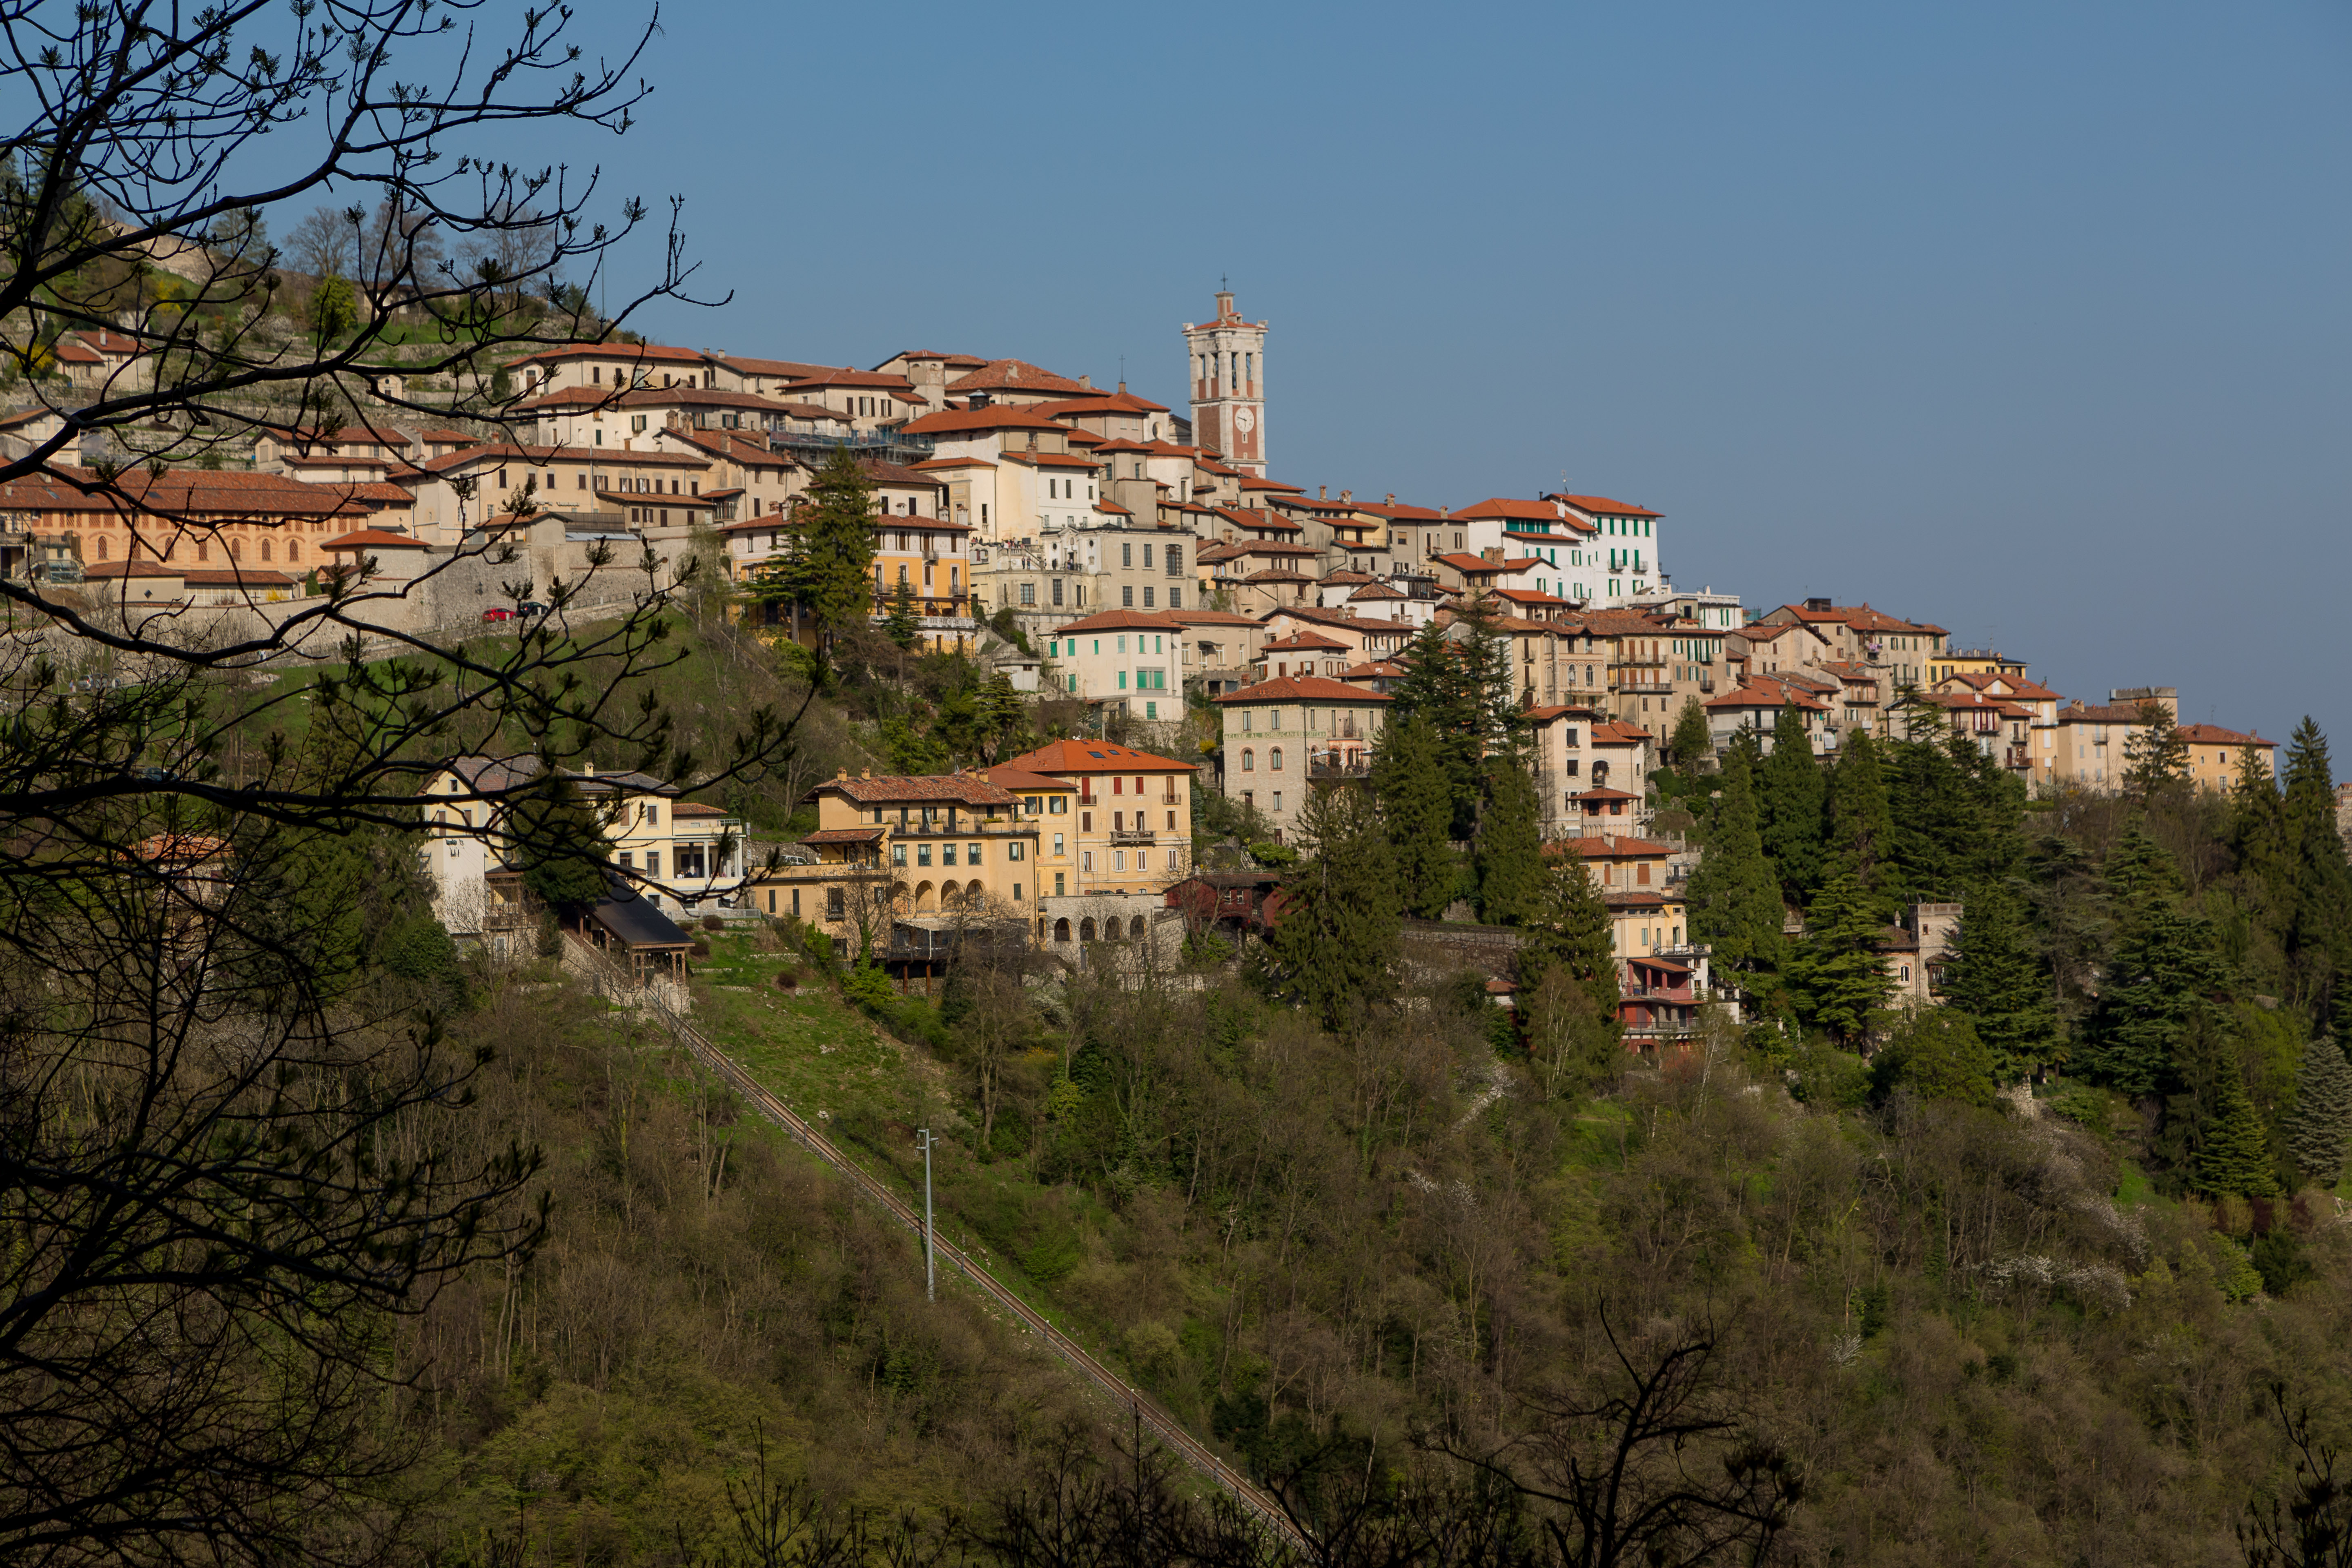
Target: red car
498,614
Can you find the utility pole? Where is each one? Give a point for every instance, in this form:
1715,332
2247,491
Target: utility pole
931,1278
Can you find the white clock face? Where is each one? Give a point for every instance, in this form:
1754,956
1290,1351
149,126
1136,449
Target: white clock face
1244,421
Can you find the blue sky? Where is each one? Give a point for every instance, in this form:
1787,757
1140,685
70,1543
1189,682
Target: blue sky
2030,320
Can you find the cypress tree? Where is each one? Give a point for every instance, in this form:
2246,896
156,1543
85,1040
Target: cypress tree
1788,804
1417,810
1735,901
2320,1122
1510,846
1335,947
1839,975
1996,978
902,627
1861,829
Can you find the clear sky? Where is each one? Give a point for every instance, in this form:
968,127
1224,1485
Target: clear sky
2027,319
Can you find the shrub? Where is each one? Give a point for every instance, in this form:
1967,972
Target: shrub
700,950
787,981
712,922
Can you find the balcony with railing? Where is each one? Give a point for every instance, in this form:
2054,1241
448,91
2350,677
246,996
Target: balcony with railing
891,446
1143,836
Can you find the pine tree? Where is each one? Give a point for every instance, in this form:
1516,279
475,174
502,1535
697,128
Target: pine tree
1436,690
2321,1121
2318,938
560,845
1003,721
1861,829
1335,946
1417,809
1510,846
835,524
1937,1055
1735,900
1788,804
2156,753
1996,978
2235,1158
1838,974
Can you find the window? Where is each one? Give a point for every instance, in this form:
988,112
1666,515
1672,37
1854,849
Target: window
1028,593
833,909
1171,859
1249,760
1058,850
1274,761
1016,850
653,862
1146,597
1057,592
971,854
1175,598
1057,893
1151,710
946,854
1118,859
1127,555
1056,804
1086,861
1126,598
1277,800
898,855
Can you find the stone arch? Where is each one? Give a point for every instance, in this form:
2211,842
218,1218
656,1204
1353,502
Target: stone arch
973,893
926,898
1086,929
1135,926
1599,776
902,897
1062,929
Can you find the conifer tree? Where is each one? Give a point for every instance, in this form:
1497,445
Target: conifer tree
2164,969
1335,946
1839,976
2235,1157
2156,753
835,524
1692,741
1510,846
1735,900
2318,1126
1937,1055
902,627
1569,925
1861,830
1417,810
1789,804
1996,978
2318,937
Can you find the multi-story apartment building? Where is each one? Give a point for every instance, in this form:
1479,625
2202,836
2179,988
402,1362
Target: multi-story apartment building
1577,750
1755,706
1133,811
1128,659
1281,736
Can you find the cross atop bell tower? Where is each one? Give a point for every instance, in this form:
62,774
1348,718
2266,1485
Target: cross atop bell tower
1228,374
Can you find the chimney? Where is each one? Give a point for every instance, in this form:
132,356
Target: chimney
866,773
841,775
1391,501
1348,497
1087,381
1322,492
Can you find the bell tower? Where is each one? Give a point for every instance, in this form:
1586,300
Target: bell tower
1229,386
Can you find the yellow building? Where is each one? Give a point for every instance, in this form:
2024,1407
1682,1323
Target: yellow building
893,846
2214,754
1133,812
1955,661
1645,915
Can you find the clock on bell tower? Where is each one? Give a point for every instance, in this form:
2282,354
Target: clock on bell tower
1228,373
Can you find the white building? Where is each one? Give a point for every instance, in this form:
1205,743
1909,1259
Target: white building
1123,656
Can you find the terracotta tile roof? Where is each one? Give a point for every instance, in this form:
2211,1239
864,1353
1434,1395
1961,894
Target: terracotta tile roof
867,380
1495,507
1018,375
1397,513
1276,574
179,492
1300,642
2099,713
1601,506
1315,503
1546,715
1250,482
1020,779
970,789
888,473
951,463
786,369
131,569
236,577
1107,402
1211,618
2214,735
1617,733
375,538
1764,691
843,836
1472,566
972,360
995,417
1051,460
1301,688
1605,847
1062,758
1118,621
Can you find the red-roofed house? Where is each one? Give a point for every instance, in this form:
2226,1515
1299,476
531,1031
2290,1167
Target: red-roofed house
1134,817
